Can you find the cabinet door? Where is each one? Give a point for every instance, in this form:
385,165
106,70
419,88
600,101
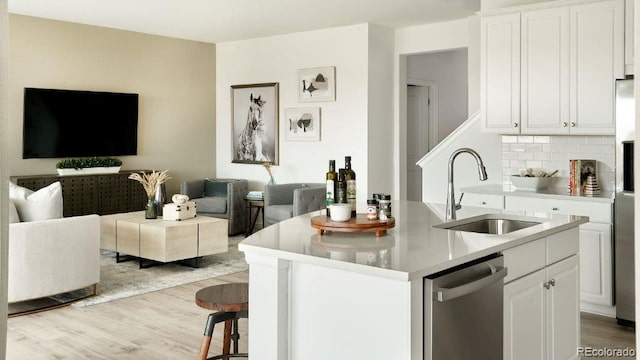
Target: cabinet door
500,73
545,71
597,59
596,268
524,309
563,316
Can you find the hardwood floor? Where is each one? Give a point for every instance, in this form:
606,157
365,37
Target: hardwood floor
143,327
600,332
139,327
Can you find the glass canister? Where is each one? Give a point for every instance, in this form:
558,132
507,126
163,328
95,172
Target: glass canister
372,209
385,207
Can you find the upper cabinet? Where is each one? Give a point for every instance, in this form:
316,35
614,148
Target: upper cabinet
551,69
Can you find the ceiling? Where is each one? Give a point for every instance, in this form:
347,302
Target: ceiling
217,21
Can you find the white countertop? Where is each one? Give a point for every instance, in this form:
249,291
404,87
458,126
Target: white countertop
551,193
411,250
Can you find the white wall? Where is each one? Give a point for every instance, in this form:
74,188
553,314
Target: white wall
448,70
4,174
380,140
421,39
435,164
345,122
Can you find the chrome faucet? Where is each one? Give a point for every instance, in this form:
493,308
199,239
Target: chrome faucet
451,199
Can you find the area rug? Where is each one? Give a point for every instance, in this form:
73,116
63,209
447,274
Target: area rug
125,279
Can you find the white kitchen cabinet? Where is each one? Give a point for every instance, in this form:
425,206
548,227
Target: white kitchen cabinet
563,316
524,318
596,244
597,59
596,276
541,316
489,201
568,60
500,74
545,71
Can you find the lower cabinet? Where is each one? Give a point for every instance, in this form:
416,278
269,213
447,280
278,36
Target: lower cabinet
596,268
596,246
541,306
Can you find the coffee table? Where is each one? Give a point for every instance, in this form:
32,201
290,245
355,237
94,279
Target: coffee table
169,240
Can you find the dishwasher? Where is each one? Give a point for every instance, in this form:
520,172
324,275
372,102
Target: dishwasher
466,310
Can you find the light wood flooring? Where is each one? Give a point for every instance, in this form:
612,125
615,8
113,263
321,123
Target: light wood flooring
167,324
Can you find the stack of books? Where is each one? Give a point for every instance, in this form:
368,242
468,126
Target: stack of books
579,172
255,195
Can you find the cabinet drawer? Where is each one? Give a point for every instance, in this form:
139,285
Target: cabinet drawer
524,259
562,245
597,212
483,200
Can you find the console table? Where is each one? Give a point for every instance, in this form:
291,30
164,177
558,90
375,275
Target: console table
100,194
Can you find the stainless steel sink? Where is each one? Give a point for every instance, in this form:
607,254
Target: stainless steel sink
489,225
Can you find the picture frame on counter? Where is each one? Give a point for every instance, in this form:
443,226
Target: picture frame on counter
302,124
255,118
317,84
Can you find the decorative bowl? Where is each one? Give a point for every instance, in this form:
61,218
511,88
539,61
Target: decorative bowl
179,199
531,183
340,212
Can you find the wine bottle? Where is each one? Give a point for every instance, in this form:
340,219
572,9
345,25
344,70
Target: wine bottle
350,178
331,185
341,188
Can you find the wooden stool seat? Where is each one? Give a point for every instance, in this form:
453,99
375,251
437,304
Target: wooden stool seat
231,302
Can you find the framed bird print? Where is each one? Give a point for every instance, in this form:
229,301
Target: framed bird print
317,84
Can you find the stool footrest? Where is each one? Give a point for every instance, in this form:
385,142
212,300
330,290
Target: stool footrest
240,355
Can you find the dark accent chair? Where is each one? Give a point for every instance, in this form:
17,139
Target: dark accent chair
220,198
283,201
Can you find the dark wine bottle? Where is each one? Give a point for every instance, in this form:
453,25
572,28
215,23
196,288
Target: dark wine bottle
331,185
350,178
341,188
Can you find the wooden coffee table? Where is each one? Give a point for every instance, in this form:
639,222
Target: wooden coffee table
169,240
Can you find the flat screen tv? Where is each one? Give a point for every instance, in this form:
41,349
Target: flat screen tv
71,123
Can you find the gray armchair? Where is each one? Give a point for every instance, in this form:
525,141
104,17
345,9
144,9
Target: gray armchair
283,201
220,198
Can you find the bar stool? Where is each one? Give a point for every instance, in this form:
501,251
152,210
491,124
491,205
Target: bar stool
231,302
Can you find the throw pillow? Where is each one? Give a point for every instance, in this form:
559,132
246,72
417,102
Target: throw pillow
13,213
43,204
215,188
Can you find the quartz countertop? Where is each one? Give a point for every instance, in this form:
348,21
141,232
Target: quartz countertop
412,249
551,193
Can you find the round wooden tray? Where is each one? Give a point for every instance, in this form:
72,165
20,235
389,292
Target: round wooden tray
360,223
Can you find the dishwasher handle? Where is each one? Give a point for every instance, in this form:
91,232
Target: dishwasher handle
444,294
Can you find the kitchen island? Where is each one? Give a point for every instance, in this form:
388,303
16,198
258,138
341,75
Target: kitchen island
358,296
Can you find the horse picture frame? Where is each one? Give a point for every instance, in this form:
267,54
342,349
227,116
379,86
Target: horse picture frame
254,130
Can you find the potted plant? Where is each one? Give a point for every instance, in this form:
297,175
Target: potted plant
92,165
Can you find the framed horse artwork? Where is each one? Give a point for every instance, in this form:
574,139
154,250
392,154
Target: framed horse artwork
254,132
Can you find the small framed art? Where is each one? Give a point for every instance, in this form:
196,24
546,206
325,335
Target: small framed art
317,84
302,124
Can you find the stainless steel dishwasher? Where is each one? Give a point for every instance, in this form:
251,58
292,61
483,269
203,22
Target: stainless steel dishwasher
466,310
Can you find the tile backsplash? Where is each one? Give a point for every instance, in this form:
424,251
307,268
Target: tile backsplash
551,153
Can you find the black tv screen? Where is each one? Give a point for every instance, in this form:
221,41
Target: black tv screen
71,123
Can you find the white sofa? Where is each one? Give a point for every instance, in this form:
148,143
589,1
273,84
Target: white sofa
48,257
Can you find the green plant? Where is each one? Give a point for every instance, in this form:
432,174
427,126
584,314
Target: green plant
88,163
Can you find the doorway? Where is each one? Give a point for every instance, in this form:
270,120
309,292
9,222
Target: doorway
436,104
422,119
